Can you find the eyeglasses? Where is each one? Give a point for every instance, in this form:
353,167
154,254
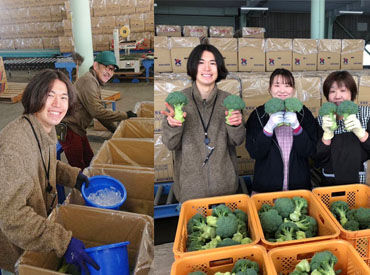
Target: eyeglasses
109,68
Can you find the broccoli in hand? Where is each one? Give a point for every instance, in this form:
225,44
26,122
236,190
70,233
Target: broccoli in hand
347,108
177,100
274,105
293,104
329,109
232,103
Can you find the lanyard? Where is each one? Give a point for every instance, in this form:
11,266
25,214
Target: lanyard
205,128
49,188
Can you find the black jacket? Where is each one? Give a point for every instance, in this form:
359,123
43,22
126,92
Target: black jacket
269,167
345,156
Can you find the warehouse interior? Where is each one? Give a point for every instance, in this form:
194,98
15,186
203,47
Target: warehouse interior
233,27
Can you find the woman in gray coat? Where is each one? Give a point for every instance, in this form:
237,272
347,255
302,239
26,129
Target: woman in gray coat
204,145
29,172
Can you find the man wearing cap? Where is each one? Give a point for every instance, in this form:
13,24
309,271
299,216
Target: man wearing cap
89,105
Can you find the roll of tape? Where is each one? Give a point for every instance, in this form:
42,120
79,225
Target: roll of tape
124,31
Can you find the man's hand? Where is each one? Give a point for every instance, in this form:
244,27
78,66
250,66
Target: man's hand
236,117
81,179
131,114
170,116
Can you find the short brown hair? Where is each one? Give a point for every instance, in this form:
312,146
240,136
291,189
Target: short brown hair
37,90
343,78
286,75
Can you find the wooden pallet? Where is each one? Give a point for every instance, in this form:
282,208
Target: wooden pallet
13,93
110,95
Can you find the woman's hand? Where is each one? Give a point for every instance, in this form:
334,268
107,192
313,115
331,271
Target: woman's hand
354,125
236,117
170,116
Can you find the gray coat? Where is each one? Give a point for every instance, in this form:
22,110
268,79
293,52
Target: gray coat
219,175
24,202
89,105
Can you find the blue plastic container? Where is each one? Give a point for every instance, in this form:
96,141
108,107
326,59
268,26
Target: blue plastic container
112,259
101,182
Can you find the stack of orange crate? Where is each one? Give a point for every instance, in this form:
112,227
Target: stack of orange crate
356,196
218,259
3,82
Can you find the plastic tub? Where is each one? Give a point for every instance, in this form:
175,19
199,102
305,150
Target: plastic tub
112,259
101,182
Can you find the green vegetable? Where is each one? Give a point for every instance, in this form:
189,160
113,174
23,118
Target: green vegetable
329,109
274,105
362,215
221,210
301,205
227,242
352,225
243,265
347,108
293,104
196,219
308,225
323,263
270,221
226,226
177,100
232,103
197,273
303,266
286,232
264,208
285,206
339,210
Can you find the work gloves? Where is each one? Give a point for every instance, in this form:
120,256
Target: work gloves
352,124
81,179
131,114
290,118
327,124
274,120
76,255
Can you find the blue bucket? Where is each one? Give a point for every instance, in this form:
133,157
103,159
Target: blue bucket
100,182
112,259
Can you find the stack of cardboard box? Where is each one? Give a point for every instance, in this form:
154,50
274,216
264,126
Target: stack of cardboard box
3,82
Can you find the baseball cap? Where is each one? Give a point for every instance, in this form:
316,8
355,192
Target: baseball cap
106,58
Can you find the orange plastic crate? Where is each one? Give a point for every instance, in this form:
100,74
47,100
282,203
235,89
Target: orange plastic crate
356,195
326,227
204,207
284,259
223,261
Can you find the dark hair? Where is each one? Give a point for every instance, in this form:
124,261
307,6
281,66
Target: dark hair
342,78
286,75
37,90
195,56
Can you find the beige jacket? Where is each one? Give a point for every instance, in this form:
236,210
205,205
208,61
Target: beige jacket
24,202
89,106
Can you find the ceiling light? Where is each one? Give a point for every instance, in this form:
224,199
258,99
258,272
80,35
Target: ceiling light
351,12
155,5
254,8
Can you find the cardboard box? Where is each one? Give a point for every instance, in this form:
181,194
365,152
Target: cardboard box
221,31
232,86
278,54
168,30
364,91
144,109
309,92
139,186
95,227
304,54
162,55
181,48
163,161
328,57
229,50
352,54
125,153
251,55
253,32
135,128
244,161
195,31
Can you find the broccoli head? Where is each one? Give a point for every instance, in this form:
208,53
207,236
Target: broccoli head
240,215
352,225
211,220
226,226
285,206
274,105
300,205
293,104
270,221
213,243
329,109
227,242
303,266
286,232
339,210
221,210
347,108
177,100
244,264
323,262
197,273
232,103
307,224
264,208
196,219
362,215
